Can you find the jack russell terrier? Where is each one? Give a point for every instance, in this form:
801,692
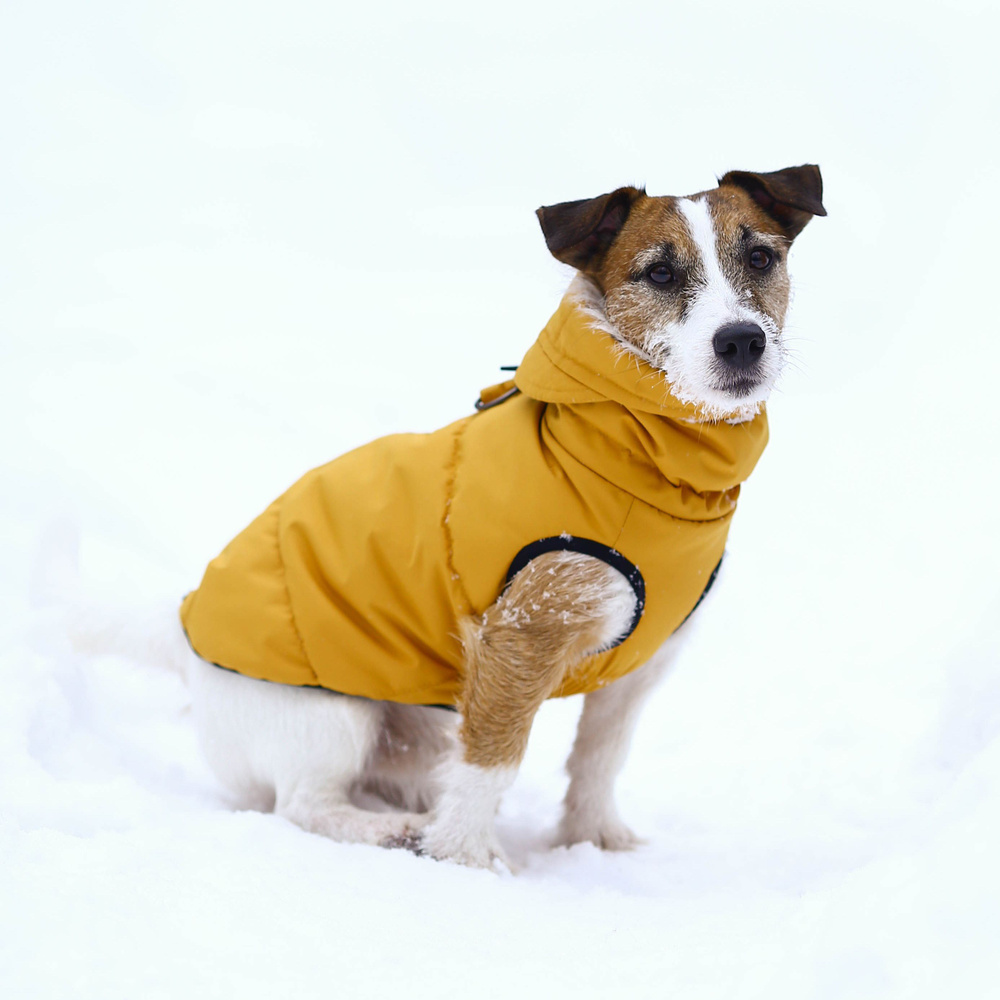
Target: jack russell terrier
390,626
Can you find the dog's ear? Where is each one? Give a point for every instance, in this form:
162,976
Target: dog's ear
791,196
579,232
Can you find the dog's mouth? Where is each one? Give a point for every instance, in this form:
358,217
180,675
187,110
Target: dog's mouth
739,387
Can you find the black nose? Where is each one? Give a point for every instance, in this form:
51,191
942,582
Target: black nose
739,345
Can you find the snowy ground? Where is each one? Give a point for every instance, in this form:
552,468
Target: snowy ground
241,239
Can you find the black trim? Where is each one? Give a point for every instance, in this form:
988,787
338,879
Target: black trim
587,547
319,687
708,587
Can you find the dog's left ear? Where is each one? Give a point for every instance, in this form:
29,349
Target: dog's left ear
791,196
579,233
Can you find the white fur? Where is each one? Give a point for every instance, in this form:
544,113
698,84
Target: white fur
619,604
463,829
302,751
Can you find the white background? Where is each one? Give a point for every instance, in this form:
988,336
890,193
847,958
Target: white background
241,238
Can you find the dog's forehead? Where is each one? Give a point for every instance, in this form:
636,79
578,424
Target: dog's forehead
658,221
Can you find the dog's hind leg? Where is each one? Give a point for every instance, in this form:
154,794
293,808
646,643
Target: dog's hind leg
301,749
413,741
559,608
319,806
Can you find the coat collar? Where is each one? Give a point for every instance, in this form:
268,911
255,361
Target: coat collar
577,360
615,414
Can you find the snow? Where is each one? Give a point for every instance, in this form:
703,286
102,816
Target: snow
241,239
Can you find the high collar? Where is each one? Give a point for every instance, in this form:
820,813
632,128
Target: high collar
614,413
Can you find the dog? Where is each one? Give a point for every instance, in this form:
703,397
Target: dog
391,625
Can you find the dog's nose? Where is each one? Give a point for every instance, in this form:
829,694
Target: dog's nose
739,345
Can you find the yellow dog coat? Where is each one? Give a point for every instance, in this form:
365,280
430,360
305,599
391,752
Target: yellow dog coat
354,580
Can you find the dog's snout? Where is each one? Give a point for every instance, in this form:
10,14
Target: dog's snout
739,345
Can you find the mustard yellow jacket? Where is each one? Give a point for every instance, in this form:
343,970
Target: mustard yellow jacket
354,579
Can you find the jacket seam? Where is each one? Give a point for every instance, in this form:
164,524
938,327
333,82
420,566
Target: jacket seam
449,538
621,530
288,600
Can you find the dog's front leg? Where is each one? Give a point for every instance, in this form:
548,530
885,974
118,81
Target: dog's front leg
559,608
603,736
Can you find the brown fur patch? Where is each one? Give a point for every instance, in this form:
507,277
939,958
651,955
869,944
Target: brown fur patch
555,612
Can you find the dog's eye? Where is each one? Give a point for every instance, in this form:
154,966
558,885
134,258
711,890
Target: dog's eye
660,274
760,258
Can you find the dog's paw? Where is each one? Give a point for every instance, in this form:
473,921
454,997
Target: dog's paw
606,832
410,841
473,852
406,833
493,859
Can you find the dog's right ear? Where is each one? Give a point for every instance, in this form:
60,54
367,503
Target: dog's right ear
579,232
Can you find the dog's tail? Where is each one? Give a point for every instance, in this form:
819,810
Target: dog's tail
150,633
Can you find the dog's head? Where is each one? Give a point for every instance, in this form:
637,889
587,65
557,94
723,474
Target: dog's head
696,286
